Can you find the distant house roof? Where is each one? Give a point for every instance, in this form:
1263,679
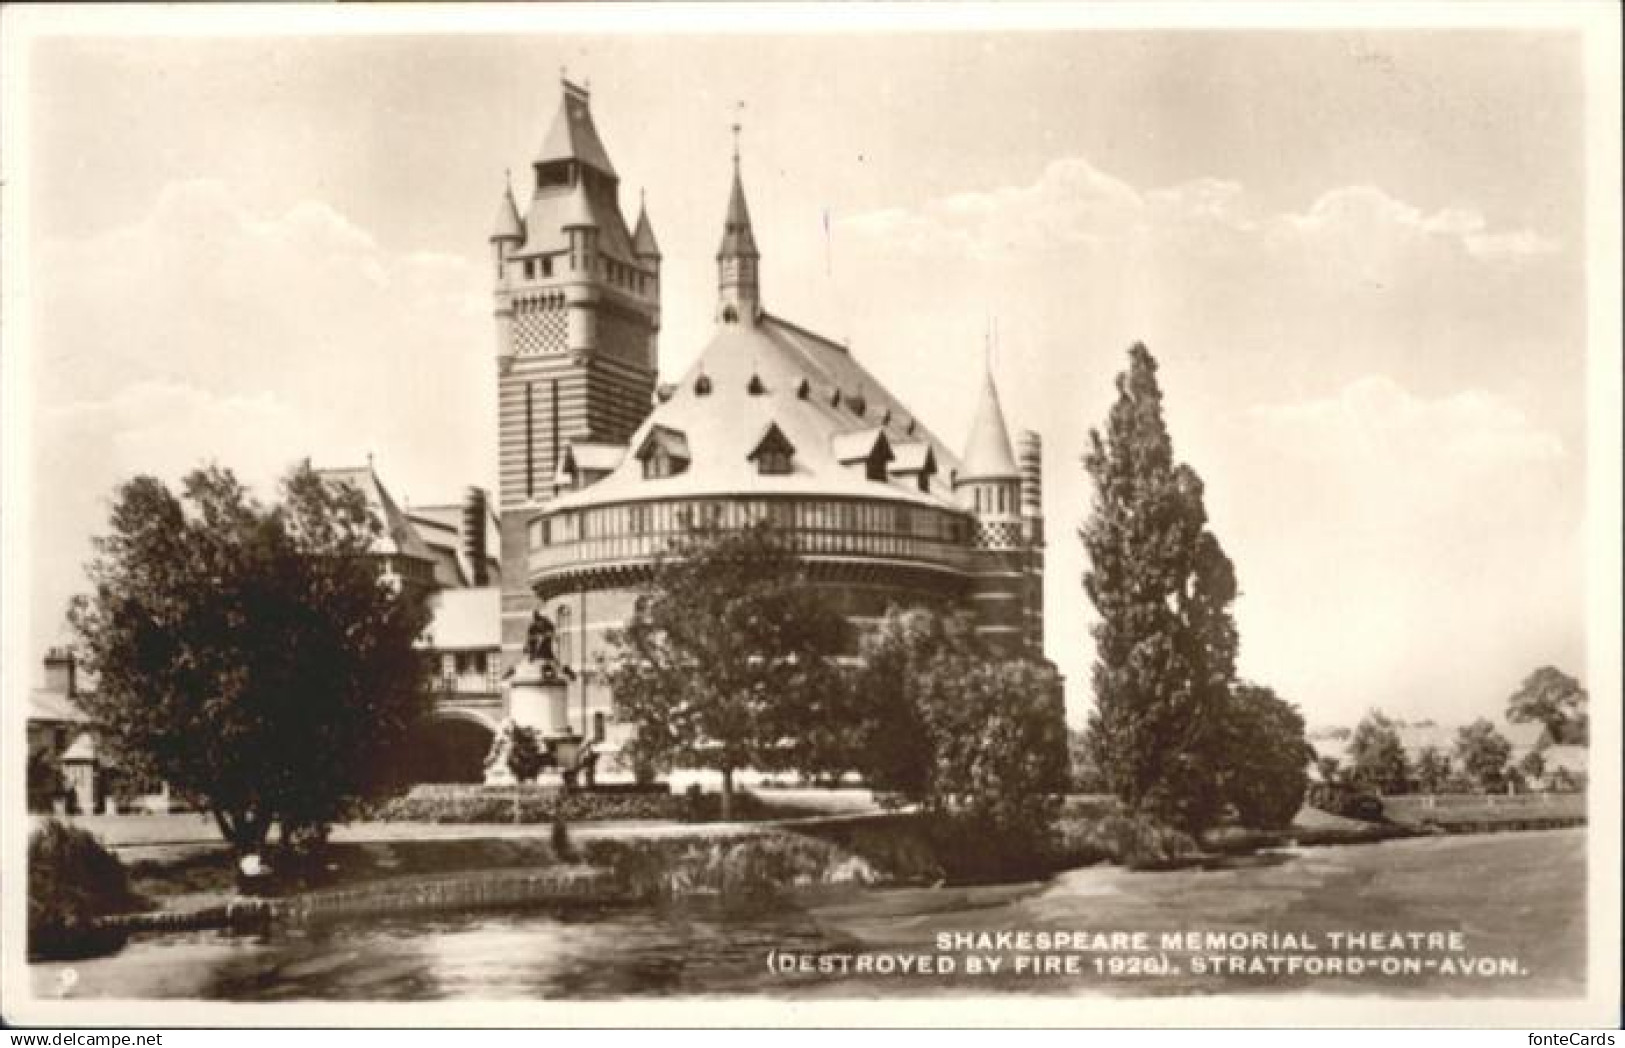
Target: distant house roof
82,748
1573,759
441,528
399,537
54,707
465,619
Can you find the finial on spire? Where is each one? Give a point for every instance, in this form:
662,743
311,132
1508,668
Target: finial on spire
739,113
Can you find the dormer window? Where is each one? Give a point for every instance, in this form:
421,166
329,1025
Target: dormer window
773,452
702,386
730,315
858,404
802,389
755,387
657,465
868,447
835,398
664,453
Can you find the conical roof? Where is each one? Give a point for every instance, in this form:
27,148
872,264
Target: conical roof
988,455
508,226
573,136
737,238
643,237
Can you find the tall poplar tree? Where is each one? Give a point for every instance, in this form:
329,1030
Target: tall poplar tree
1165,642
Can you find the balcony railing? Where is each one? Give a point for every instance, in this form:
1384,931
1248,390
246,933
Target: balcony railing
620,549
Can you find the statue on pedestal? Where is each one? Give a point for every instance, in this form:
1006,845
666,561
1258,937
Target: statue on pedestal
540,649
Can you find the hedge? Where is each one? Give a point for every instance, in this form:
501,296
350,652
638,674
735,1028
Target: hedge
472,803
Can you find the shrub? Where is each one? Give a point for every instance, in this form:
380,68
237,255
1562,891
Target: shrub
45,782
1349,803
1138,842
72,881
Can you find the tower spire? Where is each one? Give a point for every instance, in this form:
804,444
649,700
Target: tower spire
739,297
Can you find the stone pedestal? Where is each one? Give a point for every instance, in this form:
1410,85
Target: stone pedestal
537,699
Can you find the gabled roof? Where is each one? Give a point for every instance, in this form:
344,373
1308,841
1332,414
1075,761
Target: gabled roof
912,456
863,445
594,455
50,706
673,441
988,455
399,537
82,748
723,427
573,135
772,440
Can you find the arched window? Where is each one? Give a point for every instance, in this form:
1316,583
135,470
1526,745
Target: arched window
730,315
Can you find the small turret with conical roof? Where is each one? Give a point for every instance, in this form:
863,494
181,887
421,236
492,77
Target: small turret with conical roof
989,486
508,225
739,292
988,454
643,237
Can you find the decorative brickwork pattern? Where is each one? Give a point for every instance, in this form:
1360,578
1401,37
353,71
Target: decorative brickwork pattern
540,326
998,535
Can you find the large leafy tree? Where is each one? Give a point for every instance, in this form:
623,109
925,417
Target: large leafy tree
1165,642
1483,753
251,656
1553,698
728,653
1432,770
1266,757
1377,757
978,741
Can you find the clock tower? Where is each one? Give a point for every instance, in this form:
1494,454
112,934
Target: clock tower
577,314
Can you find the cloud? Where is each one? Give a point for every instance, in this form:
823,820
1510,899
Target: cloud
208,330
1074,204
1375,419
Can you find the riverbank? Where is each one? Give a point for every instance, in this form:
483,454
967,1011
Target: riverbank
408,868
1532,911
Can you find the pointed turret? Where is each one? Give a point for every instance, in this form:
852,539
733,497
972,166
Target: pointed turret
739,295
643,237
508,225
573,136
737,239
988,455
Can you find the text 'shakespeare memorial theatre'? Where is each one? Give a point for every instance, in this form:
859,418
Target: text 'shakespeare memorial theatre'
602,466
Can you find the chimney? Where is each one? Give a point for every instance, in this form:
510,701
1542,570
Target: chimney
472,536
59,671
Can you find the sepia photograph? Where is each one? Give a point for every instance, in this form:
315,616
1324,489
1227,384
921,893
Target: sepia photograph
811,515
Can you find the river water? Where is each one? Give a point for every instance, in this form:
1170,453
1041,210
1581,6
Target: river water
1514,902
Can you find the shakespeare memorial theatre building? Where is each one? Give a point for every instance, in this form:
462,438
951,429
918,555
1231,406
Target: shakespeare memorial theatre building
601,468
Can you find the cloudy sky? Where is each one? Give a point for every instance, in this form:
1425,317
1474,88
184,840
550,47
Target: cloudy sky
1359,259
